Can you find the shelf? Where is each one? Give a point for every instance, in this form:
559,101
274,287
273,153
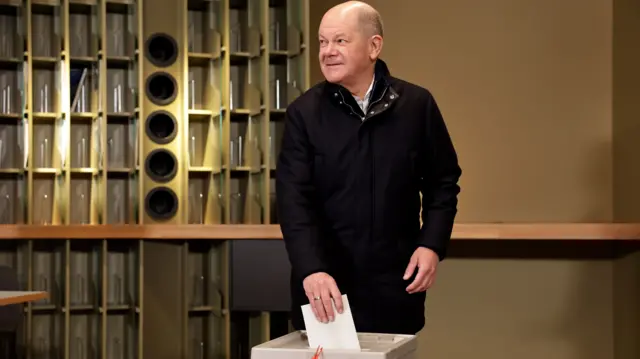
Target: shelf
8,298
123,122
472,232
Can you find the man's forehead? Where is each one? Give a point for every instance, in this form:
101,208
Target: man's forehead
335,28
334,32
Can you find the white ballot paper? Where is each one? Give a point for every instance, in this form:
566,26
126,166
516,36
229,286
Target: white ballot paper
339,334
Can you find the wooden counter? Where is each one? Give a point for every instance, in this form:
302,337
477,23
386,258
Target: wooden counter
15,297
463,231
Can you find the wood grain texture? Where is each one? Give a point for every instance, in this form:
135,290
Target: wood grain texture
463,231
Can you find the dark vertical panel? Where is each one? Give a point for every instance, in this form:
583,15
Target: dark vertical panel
260,273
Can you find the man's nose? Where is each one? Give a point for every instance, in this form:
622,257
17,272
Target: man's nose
331,49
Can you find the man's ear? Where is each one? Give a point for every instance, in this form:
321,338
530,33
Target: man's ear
375,47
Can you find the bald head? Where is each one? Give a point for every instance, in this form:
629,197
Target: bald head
358,13
350,37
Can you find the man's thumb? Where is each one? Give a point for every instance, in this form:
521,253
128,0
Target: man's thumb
410,268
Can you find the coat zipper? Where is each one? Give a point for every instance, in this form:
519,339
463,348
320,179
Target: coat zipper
373,160
351,108
373,169
378,100
364,118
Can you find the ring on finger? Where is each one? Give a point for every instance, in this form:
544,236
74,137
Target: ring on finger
317,297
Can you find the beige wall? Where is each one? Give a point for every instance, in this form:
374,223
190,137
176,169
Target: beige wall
539,97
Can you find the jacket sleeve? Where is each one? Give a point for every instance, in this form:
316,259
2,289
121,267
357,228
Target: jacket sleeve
439,183
295,192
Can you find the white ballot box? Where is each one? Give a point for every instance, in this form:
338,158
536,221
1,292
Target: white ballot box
373,346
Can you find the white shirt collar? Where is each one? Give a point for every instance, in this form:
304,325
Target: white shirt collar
364,103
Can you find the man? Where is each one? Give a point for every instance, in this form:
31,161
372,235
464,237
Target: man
357,151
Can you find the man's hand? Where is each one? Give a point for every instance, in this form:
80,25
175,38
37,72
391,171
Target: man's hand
321,288
426,261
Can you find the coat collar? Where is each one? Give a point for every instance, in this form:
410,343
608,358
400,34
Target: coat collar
381,87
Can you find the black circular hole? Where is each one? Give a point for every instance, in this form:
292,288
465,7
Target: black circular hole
161,127
161,88
161,203
162,50
161,165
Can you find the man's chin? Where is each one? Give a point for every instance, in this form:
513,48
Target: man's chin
333,78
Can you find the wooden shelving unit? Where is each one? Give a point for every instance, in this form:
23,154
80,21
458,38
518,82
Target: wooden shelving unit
72,192
75,139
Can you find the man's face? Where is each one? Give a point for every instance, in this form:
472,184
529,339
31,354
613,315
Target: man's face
344,49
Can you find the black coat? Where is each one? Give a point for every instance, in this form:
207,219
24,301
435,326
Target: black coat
348,187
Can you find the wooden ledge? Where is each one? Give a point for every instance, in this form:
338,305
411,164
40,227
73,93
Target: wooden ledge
15,297
463,231
149,231
548,231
